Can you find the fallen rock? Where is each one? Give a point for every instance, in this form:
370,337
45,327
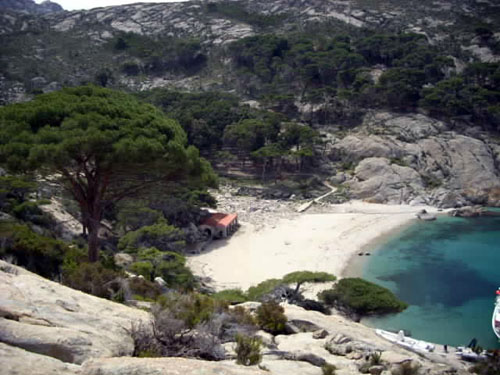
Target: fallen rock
467,211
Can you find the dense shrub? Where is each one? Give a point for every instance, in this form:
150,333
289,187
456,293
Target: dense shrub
142,289
232,296
248,350
271,318
161,235
362,297
256,293
39,254
301,277
95,279
168,265
328,369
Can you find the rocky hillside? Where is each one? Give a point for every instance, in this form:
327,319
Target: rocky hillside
29,6
51,329
404,94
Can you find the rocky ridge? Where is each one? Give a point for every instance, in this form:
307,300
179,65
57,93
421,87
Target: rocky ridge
51,329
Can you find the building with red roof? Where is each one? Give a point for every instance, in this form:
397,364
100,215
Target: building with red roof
219,225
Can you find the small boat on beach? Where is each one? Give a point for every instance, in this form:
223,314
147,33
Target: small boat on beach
418,346
495,320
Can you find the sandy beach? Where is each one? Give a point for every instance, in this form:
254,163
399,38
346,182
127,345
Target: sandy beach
315,241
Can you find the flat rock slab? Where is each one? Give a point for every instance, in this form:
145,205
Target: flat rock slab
16,361
164,366
48,318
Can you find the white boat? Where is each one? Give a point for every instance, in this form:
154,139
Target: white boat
409,343
495,320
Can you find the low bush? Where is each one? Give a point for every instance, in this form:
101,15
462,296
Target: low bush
271,318
362,297
328,369
39,254
161,236
248,350
168,265
231,296
95,279
256,293
143,288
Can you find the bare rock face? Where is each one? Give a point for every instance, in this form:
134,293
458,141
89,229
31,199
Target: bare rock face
47,318
403,158
380,181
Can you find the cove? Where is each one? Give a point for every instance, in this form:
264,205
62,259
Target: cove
447,270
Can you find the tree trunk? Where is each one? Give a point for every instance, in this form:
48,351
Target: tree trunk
93,239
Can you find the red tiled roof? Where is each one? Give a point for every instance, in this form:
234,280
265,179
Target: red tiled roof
220,220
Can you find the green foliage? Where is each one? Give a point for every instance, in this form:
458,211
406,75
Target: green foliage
473,93
158,54
39,254
143,289
145,269
168,265
31,212
328,369
100,141
161,236
271,317
192,309
232,296
16,187
93,278
255,293
248,350
133,215
375,358
301,277
362,297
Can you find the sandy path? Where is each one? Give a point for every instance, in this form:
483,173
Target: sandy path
315,242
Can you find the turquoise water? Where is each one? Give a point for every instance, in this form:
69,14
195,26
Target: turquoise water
448,271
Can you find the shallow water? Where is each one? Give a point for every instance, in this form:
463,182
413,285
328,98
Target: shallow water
448,271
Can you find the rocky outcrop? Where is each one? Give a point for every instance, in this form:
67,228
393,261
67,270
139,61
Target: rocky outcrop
47,318
405,158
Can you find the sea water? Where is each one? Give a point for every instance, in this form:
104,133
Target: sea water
447,271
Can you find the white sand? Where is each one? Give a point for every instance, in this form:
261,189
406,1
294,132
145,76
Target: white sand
314,242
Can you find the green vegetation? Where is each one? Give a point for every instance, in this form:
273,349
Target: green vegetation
301,277
328,369
248,350
157,55
255,293
39,254
271,317
232,296
161,236
102,142
362,297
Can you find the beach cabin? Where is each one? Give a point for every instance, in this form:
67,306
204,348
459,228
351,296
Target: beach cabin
219,225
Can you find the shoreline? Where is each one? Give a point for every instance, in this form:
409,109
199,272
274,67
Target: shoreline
277,243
